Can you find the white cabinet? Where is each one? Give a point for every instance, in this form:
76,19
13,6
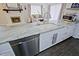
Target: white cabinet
70,30
76,33
61,34
47,40
65,33
6,50
51,38
7,53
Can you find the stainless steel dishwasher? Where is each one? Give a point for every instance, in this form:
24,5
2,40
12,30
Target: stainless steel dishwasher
27,46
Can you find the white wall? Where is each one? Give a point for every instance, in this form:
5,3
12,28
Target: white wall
6,16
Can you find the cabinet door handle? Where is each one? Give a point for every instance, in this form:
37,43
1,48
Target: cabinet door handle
54,38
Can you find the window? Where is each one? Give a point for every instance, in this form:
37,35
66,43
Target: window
35,9
55,10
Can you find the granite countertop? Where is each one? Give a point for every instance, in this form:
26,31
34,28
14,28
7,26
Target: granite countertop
26,30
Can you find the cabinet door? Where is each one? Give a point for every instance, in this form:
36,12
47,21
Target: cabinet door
61,34
76,33
7,53
6,49
70,30
45,40
54,35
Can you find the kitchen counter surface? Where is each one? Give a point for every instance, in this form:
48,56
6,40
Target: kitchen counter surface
25,30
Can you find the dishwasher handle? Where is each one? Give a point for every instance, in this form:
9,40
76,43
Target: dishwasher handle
36,38
19,43
54,38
